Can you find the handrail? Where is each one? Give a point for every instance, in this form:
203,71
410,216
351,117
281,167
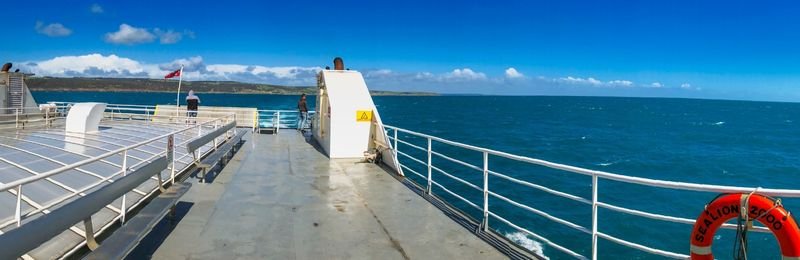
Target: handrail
280,119
23,181
27,237
594,201
16,187
613,176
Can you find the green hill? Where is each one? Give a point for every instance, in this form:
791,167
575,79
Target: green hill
160,85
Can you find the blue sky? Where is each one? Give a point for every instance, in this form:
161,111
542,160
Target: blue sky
706,49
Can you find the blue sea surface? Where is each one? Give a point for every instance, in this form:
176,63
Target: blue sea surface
741,143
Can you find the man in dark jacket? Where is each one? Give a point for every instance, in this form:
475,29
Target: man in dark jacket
301,106
192,102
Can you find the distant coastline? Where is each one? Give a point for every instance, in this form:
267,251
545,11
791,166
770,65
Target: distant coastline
160,85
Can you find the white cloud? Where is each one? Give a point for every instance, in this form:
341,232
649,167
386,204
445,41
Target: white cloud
380,73
290,75
592,82
191,64
424,75
92,65
456,81
656,85
585,81
53,29
98,65
96,8
170,36
512,73
686,86
621,83
130,35
464,74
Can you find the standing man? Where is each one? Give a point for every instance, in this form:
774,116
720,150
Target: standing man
192,102
301,105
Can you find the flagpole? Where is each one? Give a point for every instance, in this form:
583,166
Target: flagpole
178,96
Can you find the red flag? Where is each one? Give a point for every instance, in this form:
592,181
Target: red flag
173,74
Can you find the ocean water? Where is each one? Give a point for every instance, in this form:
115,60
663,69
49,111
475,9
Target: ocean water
700,141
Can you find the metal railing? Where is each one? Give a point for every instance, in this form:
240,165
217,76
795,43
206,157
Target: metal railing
266,118
486,170
21,118
115,113
282,119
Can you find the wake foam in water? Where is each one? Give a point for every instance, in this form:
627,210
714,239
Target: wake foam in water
719,123
523,240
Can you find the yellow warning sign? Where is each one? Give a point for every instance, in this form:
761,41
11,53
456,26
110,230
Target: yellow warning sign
364,116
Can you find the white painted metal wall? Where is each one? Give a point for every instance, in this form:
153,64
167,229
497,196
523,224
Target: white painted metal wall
342,94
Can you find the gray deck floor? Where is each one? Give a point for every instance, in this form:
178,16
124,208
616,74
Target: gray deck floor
280,198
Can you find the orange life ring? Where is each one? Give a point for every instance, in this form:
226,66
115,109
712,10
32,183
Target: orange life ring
729,206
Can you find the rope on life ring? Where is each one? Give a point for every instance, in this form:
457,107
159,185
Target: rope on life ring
759,207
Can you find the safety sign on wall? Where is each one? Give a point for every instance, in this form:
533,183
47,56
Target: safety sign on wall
363,115
170,147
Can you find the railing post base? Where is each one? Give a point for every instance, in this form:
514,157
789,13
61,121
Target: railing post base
485,191
90,241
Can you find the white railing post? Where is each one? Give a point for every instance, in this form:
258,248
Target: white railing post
216,124
16,118
395,146
485,191
171,149
430,166
124,196
278,124
18,215
594,216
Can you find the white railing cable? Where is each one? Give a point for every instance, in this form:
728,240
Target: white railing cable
542,188
642,247
457,178
412,171
457,161
457,196
542,213
412,145
670,218
412,158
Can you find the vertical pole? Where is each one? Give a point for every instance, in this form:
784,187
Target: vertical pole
16,118
485,191
428,190
594,216
395,147
278,124
124,196
172,168
178,96
216,124
18,215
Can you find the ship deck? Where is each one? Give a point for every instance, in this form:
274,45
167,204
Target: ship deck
281,198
